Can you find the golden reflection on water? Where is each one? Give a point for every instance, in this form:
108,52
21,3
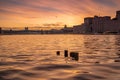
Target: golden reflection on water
34,57
88,46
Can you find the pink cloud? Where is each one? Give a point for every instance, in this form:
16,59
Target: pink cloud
53,11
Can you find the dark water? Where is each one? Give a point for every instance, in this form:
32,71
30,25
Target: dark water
33,57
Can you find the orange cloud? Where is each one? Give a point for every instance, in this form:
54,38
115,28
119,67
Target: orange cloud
39,12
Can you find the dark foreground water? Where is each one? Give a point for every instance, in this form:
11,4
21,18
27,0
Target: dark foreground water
33,57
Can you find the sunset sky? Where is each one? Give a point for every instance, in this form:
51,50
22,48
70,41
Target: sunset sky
53,13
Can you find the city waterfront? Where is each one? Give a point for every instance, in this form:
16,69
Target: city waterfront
33,57
91,25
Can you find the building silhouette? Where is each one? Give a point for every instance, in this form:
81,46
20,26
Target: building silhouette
26,28
0,29
118,15
67,30
91,25
99,24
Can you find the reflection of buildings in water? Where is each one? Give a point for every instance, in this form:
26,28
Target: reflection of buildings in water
117,48
100,48
73,43
101,44
89,42
117,44
117,40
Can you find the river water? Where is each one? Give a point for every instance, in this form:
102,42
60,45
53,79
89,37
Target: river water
33,57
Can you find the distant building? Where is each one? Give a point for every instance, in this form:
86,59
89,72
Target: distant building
65,26
88,24
98,24
118,15
67,29
26,28
79,29
91,25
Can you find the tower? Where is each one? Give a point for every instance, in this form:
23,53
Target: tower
65,26
118,15
0,30
26,28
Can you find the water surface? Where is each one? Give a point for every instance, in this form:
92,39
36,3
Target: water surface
33,57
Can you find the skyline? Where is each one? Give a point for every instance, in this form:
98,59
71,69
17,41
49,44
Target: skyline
53,13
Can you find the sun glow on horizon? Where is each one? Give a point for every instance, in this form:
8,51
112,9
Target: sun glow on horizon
52,13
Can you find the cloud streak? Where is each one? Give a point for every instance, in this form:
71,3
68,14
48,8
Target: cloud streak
40,12
110,3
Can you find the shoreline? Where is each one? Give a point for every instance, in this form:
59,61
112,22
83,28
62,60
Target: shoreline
56,34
